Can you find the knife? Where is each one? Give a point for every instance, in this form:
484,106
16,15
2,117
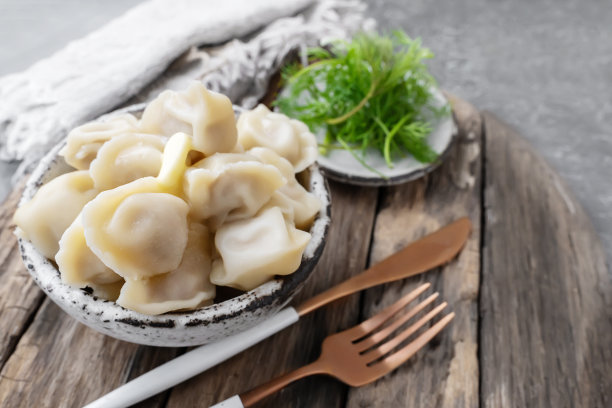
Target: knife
427,253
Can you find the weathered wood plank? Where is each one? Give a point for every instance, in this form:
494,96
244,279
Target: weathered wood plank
62,363
40,371
19,295
345,255
546,297
145,359
444,373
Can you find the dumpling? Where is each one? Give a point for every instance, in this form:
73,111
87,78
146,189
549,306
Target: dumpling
297,204
295,201
187,287
50,212
219,160
289,138
80,267
108,291
126,158
83,142
139,229
254,250
205,115
226,187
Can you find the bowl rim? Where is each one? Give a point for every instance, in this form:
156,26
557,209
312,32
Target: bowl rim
47,275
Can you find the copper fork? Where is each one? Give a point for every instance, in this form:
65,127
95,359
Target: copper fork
364,353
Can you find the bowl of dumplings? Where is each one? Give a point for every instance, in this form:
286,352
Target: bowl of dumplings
178,224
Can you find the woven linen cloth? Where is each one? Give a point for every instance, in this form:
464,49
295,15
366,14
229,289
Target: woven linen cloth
232,46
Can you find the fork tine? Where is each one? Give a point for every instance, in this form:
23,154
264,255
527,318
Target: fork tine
396,341
377,337
378,319
396,359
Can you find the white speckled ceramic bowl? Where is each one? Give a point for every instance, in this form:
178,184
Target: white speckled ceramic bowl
192,328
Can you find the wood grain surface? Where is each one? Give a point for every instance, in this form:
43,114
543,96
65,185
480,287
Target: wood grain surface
530,290
445,373
546,300
19,295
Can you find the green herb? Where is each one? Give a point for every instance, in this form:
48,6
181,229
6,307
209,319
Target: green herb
374,91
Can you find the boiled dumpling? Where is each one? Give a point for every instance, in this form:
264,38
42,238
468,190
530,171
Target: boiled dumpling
126,158
50,212
83,142
254,250
205,115
80,267
295,201
108,291
226,187
289,138
139,229
187,287
297,204
218,161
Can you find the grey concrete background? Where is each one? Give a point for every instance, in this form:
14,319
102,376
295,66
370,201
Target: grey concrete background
543,66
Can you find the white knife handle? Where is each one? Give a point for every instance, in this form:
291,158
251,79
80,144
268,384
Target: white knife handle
193,362
232,402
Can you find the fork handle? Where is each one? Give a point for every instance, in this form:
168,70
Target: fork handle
258,393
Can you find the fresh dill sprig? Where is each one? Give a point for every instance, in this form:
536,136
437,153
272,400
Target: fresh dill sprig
371,92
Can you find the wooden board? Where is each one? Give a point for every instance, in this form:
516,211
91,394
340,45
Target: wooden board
531,293
19,295
546,301
445,373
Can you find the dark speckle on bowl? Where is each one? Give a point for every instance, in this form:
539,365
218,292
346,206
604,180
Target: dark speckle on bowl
167,323
131,322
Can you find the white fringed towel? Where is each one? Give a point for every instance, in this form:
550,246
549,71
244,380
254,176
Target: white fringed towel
241,69
92,75
105,69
